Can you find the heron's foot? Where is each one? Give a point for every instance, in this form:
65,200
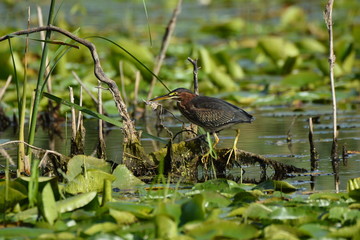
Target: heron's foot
230,152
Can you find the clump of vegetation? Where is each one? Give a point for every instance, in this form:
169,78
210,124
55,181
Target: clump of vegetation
86,197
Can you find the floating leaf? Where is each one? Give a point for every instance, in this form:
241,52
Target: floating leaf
285,213
48,206
122,217
275,231
348,232
92,180
101,227
166,228
208,64
125,179
221,229
23,232
78,163
314,230
223,80
75,202
301,79
278,48
193,209
219,185
257,211
225,29
312,45
139,210
293,18
276,185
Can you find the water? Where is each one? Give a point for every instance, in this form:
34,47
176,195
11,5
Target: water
265,136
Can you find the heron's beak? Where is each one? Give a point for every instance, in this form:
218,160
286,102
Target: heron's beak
163,97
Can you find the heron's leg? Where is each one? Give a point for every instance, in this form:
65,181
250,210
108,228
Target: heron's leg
234,148
216,139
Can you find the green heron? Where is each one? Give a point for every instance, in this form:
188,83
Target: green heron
212,114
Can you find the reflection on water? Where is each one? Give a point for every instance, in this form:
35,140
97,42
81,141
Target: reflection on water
267,136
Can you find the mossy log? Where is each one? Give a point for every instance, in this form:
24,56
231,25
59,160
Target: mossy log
184,159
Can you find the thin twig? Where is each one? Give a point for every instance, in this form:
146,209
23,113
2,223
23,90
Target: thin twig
164,45
85,88
73,115
332,58
3,89
42,36
314,158
31,146
195,73
122,80
136,91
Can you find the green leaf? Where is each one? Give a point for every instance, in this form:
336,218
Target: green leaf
276,185
257,211
78,163
83,109
277,48
92,180
122,217
15,196
223,80
348,232
344,214
166,228
139,210
284,213
48,206
23,232
172,210
219,185
43,181
314,230
221,229
275,231
62,206
101,227
193,209
75,202
312,45
125,179
301,79
353,188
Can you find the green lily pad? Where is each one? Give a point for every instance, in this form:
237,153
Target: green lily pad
125,179
277,48
276,185
92,180
142,211
79,163
221,229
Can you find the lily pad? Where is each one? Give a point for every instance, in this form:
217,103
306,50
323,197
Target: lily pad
79,163
125,179
92,180
276,185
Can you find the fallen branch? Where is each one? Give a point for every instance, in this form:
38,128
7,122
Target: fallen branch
131,136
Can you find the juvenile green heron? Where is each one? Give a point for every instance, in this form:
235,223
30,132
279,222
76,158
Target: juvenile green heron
212,114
